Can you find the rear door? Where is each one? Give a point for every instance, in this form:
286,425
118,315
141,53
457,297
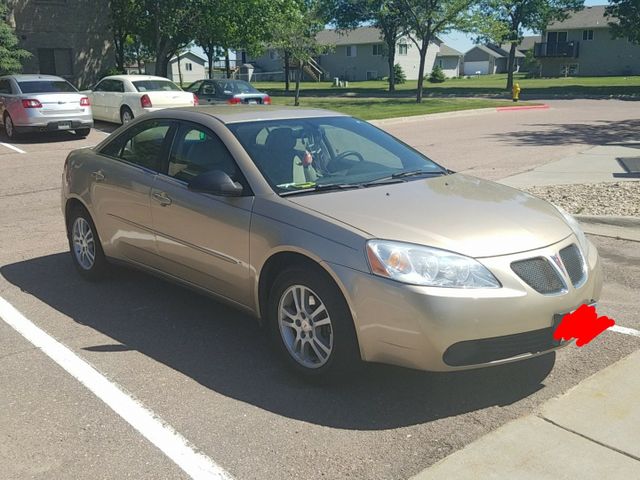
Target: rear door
6,95
121,187
202,238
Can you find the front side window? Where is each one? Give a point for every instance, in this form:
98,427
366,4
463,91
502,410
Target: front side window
46,86
196,150
155,86
142,145
300,154
194,87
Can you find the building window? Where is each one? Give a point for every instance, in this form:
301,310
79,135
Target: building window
351,51
55,61
403,48
188,66
569,69
372,75
377,49
587,35
440,63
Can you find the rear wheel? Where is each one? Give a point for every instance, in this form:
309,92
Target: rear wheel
9,128
311,325
84,244
126,115
83,132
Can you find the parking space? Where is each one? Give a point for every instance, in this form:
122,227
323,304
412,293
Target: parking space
206,370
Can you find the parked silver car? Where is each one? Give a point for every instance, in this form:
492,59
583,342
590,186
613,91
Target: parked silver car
346,243
42,103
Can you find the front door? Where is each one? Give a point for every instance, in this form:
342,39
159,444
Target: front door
120,188
202,238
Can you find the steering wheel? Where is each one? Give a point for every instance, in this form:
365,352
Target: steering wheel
347,153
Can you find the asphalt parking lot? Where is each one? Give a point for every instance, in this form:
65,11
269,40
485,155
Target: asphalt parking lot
206,370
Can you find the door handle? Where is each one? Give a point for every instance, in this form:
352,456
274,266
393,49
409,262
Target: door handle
161,198
98,176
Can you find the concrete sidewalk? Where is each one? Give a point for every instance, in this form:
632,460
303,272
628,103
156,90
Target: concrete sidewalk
590,432
596,165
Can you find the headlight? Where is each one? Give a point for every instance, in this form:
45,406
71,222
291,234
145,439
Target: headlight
433,267
577,230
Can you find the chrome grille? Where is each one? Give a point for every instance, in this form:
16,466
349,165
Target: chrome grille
573,263
539,274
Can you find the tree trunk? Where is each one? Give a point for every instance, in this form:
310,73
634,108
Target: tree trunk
423,58
298,78
391,60
179,70
227,62
286,71
118,42
510,65
209,52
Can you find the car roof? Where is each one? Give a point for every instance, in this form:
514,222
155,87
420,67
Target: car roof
25,77
245,113
133,78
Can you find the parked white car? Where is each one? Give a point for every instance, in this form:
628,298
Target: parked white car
121,98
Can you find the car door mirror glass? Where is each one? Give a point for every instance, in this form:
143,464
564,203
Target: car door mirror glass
216,182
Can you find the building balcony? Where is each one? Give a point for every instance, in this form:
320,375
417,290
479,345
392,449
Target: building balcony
559,49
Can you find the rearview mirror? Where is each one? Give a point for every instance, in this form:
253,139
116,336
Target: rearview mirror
216,182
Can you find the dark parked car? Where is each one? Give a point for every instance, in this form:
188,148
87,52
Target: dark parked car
211,92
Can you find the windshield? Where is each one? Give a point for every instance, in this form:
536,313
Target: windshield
46,86
155,86
311,154
236,86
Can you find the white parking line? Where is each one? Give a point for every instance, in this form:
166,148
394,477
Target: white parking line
8,145
625,330
153,428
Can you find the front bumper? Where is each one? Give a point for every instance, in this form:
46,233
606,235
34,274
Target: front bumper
424,327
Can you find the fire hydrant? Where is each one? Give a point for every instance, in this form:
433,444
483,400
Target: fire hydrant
515,92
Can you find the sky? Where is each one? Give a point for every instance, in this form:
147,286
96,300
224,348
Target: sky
463,42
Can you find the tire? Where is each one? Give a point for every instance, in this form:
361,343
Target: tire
9,128
84,245
126,115
83,132
323,346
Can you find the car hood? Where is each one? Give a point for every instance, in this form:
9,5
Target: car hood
459,213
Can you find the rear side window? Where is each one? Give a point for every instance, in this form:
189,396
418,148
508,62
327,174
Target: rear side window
156,86
5,87
46,86
142,145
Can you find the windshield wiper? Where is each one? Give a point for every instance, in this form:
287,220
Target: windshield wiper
324,187
414,173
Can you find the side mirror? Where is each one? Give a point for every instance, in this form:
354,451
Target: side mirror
216,182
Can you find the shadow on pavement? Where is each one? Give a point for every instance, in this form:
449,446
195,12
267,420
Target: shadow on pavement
226,351
624,133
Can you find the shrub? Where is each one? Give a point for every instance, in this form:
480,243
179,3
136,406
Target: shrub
437,75
400,77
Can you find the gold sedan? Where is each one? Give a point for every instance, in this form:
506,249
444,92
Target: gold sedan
346,243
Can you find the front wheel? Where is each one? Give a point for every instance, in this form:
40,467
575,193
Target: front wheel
311,325
84,244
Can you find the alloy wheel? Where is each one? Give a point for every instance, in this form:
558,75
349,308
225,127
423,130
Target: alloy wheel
84,247
305,326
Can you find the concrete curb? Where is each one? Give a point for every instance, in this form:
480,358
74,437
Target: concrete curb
614,221
458,113
544,106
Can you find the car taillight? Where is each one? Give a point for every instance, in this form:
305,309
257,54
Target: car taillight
31,103
84,102
266,100
196,101
145,101
234,100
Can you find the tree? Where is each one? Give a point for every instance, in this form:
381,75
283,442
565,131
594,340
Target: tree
627,14
124,18
423,20
11,57
504,21
383,14
437,75
299,25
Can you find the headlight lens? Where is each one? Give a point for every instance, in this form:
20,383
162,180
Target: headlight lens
577,230
418,265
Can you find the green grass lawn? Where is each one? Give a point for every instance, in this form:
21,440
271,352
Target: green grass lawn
380,108
477,86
